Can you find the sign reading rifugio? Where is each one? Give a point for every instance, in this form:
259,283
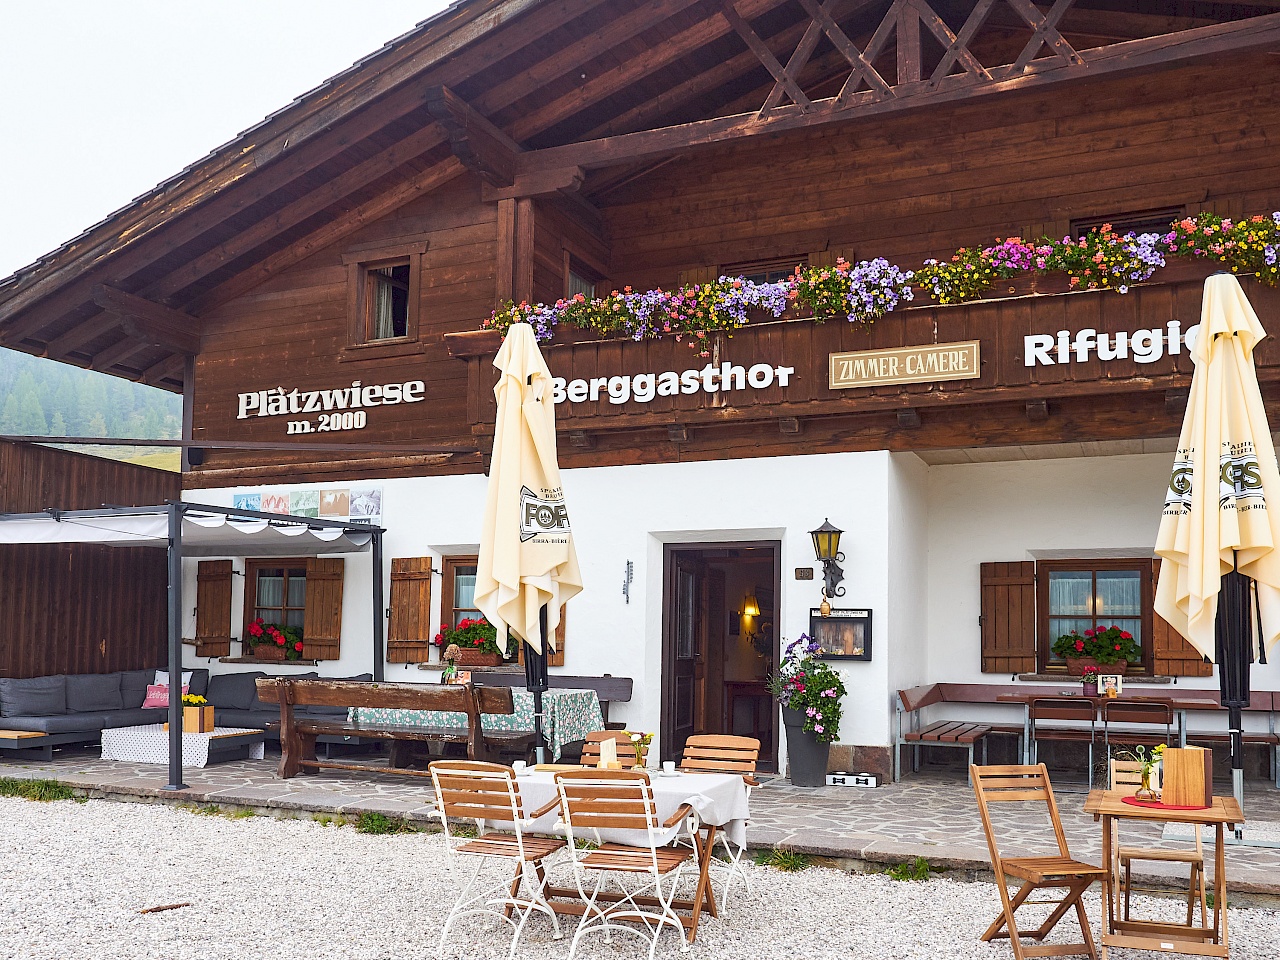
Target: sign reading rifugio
643,387
340,409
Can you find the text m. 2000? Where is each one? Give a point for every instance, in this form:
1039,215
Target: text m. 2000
350,420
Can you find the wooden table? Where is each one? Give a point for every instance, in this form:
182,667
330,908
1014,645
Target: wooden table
1206,941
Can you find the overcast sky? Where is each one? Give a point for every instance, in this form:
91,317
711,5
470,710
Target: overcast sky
100,101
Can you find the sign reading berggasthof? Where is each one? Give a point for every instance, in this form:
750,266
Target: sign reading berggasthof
934,361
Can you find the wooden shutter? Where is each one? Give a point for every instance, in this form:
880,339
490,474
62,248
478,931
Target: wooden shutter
1171,655
1009,617
556,658
213,608
322,621
409,631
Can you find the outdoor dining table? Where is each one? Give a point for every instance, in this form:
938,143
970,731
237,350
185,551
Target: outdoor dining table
568,715
1110,806
718,800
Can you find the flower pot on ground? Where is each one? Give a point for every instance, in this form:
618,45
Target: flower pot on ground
809,692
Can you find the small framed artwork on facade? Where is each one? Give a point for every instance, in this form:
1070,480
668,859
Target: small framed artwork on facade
843,635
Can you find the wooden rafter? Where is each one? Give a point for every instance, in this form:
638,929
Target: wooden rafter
757,46
956,45
1146,53
149,323
861,65
474,140
1045,32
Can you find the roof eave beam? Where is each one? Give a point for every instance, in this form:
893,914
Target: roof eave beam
149,322
474,140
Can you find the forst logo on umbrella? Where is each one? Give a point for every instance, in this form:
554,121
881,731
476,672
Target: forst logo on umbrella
1238,478
540,515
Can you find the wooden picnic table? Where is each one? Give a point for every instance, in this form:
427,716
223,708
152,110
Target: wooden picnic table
1109,806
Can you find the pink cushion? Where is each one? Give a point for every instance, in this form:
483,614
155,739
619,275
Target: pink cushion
158,695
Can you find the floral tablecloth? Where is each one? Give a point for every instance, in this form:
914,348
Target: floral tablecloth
569,715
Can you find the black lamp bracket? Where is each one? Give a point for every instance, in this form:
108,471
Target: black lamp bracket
832,575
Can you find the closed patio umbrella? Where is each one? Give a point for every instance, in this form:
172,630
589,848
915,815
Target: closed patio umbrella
527,565
1218,536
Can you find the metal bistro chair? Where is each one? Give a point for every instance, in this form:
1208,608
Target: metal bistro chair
1146,716
591,747
1056,870
1128,773
595,800
1075,710
714,753
489,793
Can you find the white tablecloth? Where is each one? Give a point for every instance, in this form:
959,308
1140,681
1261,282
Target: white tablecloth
150,744
718,798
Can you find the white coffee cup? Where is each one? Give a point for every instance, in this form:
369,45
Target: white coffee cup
668,766
519,767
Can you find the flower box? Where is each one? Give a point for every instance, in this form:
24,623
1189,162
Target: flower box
267,651
477,658
1076,665
196,720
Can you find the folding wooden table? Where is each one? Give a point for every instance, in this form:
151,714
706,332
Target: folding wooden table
1109,806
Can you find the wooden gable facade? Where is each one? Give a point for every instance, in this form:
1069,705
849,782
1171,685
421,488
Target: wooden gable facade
506,143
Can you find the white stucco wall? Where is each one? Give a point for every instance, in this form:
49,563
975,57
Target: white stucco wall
628,513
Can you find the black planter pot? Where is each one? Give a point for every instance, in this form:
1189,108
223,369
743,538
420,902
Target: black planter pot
806,755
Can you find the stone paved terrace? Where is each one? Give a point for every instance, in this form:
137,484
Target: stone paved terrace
930,814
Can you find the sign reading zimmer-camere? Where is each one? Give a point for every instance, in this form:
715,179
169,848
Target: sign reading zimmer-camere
937,361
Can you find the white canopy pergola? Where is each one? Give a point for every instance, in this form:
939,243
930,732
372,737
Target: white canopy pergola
202,530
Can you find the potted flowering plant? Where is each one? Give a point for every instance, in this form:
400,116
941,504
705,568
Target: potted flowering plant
1089,676
1105,646
476,640
809,692
197,714
641,742
270,641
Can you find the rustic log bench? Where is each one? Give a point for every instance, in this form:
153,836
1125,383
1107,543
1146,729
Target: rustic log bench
298,733
946,733
608,688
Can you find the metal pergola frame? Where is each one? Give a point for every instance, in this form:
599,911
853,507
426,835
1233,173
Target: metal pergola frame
175,510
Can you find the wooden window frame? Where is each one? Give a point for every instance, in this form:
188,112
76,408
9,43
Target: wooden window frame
1045,640
783,265
575,260
448,612
359,261
1123,223
251,568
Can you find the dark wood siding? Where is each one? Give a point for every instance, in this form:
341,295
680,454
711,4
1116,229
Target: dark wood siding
79,608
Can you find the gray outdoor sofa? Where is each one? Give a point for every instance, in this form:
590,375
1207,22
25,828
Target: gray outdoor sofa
76,708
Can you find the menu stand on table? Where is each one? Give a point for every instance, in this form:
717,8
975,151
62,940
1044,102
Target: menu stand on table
1205,940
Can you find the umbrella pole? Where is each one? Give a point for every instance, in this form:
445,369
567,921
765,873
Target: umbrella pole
535,679
1234,649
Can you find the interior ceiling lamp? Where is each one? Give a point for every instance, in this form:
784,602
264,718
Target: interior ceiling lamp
750,605
826,544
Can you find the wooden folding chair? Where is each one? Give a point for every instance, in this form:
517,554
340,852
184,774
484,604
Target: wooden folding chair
715,753
1030,784
489,793
591,747
595,800
1128,773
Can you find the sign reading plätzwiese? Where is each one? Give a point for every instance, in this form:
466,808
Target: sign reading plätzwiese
935,361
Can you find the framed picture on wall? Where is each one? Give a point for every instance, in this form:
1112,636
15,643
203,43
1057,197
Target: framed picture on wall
844,635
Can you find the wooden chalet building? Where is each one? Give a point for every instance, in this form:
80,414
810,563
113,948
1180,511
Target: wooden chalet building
328,271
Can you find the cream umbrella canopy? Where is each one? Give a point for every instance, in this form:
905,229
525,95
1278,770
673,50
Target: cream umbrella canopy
527,567
1216,528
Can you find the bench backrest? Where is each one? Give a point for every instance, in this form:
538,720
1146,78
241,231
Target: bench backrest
449,697
918,697
609,689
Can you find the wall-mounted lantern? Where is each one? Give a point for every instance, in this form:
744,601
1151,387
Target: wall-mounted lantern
826,545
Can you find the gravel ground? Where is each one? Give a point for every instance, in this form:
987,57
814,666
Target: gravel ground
75,875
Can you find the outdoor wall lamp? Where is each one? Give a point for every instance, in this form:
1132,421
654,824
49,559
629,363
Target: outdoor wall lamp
826,545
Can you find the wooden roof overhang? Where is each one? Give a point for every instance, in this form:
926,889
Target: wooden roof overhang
545,98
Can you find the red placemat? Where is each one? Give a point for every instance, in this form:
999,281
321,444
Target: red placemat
1156,804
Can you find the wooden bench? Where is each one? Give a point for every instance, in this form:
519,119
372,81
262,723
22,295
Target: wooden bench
608,688
298,733
1259,701
946,733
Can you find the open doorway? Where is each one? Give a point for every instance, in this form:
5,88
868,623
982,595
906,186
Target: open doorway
720,643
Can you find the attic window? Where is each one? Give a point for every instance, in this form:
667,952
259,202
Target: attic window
383,294
386,308
763,271
1143,221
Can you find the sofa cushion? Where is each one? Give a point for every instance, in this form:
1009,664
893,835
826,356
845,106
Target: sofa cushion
158,696
232,717
133,687
234,690
133,718
199,684
90,692
87,723
33,697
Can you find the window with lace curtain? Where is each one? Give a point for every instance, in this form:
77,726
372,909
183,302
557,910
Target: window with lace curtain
1080,595
382,301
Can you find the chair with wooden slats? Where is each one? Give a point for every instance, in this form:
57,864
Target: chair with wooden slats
1030,784
716,753
1128,774
489,794
607,800
1133,723
591,747
1070,719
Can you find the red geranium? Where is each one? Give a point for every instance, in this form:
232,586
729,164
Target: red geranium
298,646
